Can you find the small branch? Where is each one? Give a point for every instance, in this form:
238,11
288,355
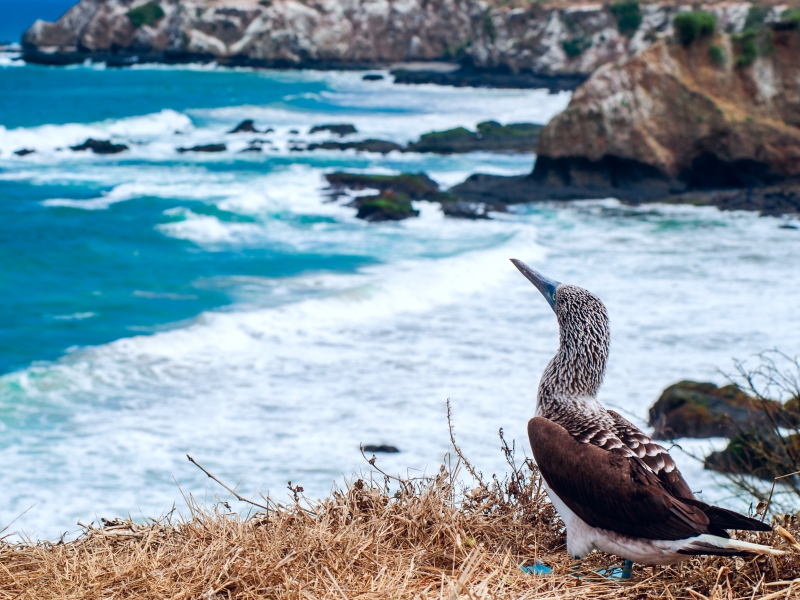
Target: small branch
236,495
372,461
457,450
774,481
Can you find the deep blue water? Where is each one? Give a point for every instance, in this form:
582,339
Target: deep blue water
74,277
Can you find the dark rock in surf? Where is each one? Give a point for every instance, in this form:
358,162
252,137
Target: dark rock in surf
370,145
491,78
246,126
417,186
205,148
457,208
24,152
340,129
490,136
396,192
701,410
386,206
381,448
373,77
99,147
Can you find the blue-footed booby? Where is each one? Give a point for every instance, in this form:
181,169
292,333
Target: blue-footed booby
615,490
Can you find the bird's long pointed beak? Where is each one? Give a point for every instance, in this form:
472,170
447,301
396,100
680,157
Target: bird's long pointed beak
544,284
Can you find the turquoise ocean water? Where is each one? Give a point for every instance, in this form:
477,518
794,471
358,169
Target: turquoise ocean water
156,303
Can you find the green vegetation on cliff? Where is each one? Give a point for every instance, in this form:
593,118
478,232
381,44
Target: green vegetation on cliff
146,15
628,15
576,46
694,25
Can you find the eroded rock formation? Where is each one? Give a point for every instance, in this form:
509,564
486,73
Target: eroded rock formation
680,117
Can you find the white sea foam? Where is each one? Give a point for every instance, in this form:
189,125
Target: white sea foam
48,138
208,230
75,316
11,59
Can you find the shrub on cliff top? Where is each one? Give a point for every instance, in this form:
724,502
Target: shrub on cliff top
146,14
628,14
756,17
694,25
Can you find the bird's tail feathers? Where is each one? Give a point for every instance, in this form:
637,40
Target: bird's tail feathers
727,519
719,546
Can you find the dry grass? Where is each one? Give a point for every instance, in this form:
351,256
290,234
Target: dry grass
422,538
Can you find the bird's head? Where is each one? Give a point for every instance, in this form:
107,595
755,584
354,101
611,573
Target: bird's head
583,327
567,301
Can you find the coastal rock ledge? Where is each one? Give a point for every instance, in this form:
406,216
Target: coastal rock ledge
715,121
677,118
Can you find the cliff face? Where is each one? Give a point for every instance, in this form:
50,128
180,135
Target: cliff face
678,117
354,33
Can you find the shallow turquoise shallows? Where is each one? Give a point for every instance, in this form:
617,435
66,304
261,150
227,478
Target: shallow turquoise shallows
155,303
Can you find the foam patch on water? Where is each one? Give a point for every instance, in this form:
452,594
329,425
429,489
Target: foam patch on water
10,59
49,138
208,230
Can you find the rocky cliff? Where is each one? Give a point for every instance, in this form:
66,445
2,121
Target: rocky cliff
493,35
720,112
712,120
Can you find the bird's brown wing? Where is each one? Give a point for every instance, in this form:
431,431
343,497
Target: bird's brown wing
656,457
611,489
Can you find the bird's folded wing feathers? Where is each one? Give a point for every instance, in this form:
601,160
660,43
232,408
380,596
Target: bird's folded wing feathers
611,488
656,457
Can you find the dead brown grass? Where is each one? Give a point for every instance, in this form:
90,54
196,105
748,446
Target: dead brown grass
387,538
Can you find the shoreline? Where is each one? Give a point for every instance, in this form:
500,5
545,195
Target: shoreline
412,73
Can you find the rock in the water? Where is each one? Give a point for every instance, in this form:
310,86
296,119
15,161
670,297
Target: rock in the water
370,145
373,77
701,410
396,192
205,148
24,152
554,81
100,147
246,126
393,202
758,452
461,209
380,448
417,186
340,129
386,206
489,137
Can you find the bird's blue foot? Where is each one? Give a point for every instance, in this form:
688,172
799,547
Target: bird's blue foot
537,568
623,572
